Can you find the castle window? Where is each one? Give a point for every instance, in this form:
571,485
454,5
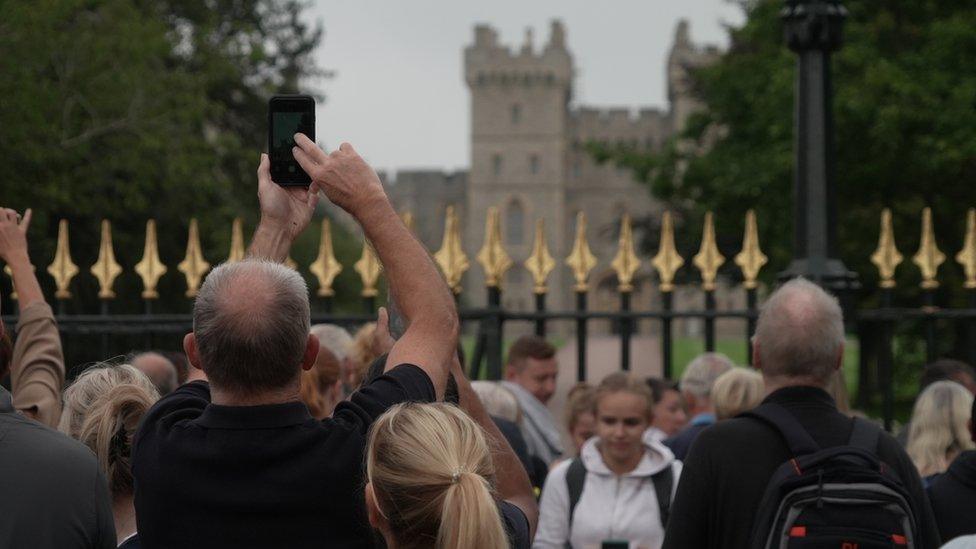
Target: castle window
576,169
516,113
515,223
496,164
534,164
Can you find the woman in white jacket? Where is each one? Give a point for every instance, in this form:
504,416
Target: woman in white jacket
624,472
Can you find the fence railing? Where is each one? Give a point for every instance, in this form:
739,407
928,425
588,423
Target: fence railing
494,260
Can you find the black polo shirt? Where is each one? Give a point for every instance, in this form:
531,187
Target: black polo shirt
259,476
731,462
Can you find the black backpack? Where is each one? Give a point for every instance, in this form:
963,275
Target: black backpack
842,497
663,482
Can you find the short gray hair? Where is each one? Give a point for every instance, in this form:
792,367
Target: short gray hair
800,332
333,337
251,322
701,373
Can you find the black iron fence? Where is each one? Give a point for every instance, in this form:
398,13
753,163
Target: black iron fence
875,328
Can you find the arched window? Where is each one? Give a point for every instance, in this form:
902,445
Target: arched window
534,164
515,223
496,164
516,113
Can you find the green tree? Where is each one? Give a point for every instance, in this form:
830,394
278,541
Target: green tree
137,109
905,92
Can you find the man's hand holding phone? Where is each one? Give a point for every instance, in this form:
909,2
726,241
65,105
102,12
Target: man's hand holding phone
285,212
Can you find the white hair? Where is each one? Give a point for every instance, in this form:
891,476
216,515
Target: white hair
334,338
701,373
251,322
939,427
497,400
800,332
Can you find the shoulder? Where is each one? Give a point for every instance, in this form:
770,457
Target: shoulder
44,450
557,475
516,525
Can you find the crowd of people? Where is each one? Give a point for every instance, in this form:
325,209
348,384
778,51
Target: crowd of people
266,431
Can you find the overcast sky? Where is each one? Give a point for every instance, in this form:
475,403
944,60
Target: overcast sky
399,96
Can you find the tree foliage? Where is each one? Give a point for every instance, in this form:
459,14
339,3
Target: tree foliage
905,127
138,109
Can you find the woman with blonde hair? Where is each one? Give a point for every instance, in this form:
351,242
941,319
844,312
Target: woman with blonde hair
429,473
736,391
939,427
101,410
620,487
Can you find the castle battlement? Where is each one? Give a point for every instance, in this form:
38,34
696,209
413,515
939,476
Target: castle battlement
488,62
620,124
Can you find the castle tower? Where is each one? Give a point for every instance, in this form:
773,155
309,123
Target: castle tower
519,134
685,57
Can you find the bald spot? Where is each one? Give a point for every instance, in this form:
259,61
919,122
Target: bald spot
158,369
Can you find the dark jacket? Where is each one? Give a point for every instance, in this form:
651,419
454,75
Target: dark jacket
681,441
731,462
53,492
953,497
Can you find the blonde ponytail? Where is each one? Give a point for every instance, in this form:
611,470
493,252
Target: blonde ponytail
102,410
430,468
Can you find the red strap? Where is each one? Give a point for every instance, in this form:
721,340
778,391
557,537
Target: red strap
798,532
899,539
796,466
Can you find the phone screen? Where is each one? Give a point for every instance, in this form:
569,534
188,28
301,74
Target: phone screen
289,115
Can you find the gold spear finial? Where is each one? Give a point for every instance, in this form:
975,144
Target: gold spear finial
708,259
326,267
106,269
493,257
236,241
369,268
581,260
451,257
886,258
62,269
150,268
540,263
928,258
626,262
668,260
967,256
193,266
751,259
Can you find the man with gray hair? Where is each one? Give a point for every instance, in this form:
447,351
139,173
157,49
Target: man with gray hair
238,461
799,344
696,388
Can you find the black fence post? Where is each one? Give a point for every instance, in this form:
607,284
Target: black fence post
625,331
971,326
369,304
751,299
104,338
886,363
540,307
581,336
666,332
710,321
931,343
493,334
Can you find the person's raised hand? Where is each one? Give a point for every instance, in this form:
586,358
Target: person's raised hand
344,176
287,208
13,235
382,340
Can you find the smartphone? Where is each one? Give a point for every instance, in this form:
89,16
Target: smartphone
288,115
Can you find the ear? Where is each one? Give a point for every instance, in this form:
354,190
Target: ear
840,357
376,519
756,363
190,348
311,352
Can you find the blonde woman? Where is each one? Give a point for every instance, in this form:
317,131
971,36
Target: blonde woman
736,391
101,410
620,487
939,429
429,471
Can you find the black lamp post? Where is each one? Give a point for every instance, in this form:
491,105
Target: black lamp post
812,29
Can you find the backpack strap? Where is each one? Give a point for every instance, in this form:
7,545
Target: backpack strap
797,439
663,482
575,477
865,435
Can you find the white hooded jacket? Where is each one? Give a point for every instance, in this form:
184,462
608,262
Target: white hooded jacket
611,507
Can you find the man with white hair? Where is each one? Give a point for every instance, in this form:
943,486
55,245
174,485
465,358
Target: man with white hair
799,344
239,461
696,388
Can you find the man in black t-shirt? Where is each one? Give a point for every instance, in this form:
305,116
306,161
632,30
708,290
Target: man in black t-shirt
798,346
238,461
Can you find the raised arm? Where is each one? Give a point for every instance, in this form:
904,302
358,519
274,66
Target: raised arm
513,482
37,366
421,294
285,212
